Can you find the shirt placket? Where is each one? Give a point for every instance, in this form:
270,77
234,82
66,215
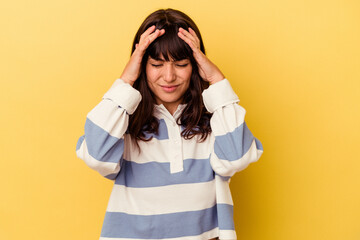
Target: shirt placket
176,161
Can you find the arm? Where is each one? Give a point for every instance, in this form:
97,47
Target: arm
102,145
234,145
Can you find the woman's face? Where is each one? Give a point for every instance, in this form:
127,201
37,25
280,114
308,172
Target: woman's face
168,80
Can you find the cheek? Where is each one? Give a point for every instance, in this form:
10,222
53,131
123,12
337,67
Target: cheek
151,74
148,73
187,74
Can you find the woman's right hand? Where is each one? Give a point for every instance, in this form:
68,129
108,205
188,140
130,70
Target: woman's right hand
132,69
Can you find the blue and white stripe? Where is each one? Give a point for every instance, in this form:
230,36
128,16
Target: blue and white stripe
162,200
234,146
102,145
161,226
172,188
156,174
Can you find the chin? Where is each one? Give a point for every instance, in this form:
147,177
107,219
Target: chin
170,99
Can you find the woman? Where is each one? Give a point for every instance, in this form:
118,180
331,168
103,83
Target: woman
168,140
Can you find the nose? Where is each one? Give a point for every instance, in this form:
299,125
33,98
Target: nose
169,73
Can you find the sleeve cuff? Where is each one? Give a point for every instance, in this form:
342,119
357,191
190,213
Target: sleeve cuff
124,95
218,95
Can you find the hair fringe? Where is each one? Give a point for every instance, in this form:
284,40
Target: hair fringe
194,118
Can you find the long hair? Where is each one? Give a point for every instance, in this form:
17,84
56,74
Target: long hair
194,118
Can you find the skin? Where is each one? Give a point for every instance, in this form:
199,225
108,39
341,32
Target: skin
208,70
162,74
169,80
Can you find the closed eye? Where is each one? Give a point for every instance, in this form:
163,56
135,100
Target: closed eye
182,65
156,65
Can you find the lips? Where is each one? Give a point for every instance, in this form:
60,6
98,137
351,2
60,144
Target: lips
169,88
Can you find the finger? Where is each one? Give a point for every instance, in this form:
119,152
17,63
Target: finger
193,33
136,45
161,32
191,44
156,34
152,37
147,32
146,40
187,34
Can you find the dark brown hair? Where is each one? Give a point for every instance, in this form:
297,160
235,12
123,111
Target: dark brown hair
194,118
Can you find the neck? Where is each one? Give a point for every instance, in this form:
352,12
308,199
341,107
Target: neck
171,107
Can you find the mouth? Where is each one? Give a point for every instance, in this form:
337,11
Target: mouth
169,88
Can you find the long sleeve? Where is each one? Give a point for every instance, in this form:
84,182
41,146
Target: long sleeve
234,147
102,145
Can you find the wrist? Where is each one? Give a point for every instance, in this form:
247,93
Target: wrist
126,80
216,79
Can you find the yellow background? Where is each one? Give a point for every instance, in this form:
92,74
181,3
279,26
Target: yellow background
294,64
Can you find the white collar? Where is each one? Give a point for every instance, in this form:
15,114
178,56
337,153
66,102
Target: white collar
160,111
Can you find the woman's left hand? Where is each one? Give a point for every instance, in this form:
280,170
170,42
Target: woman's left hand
208,70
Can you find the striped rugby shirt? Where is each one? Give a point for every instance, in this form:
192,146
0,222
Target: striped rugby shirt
173,188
